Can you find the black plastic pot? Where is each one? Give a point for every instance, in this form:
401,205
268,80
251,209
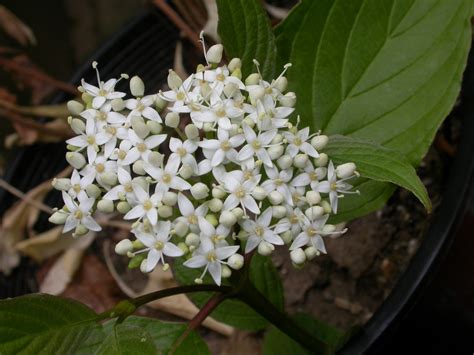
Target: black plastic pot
145,48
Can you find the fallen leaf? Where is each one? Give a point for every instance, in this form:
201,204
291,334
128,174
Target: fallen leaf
16,28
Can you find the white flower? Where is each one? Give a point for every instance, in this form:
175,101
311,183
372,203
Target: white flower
218,78
79,214
184,152
104,92
90,139
211,257
146,205
332,186
256,145
311,176
190,215
167,177
298,142
104,116
144,146
259,231
98,168
267,116
141,107
311,234
157,244
124,154
222,149
240,192
79,184
291,223
124,189
216,235
278,181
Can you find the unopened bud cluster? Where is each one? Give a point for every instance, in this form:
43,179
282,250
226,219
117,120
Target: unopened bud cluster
205,169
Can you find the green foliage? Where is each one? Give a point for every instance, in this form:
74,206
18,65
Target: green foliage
246,32
43,324
236,313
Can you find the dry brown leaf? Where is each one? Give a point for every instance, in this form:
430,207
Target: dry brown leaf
178,64
63,270
16,28
210,28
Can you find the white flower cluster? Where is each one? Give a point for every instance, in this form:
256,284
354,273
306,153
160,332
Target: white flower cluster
210,166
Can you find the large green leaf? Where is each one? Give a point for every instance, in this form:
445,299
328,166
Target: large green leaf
246,33
385,71
233,312
126,339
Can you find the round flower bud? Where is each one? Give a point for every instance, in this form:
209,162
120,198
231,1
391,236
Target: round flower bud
238,213
58,217
287,237
143,266
314,212
123,247
346,170
311,253
61,184
313,197
207,127
140,127
275,151
138,167
184,248
300,161
319,142
77,125
137,87
76,160
236,261
199,191
174,81
275,198
326,206
252,79
192,240
186,171
230,89
227,219
181,229
142,181
123,207
109,177
137,244
235,63
117,105
165,211
155,127
160,103
87,98
265,248
75,107
285,162
215,205
288,100
277,139
106,206
191,131
329,228
256,93
212,219
218,192
298,256
278,212
80,230
93,191
242,235
281,83
226,272
170,198
322,160
259,193
249,122
238,74
172,119
155,159
214,54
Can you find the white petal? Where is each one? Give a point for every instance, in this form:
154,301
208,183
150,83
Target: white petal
172,250
250,204
245,153
301,240
90,224
196,261
252,243
135,212
155,141
185,206
152,259
215,269
225,252
230,202
98,101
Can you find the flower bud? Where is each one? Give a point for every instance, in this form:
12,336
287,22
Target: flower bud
256,93
140,127
155,127
165,211
275,151
186,171
242,235
199,191
123,247
184,248
106,206
236,261
313,197
86,98
288,100
123,207
265,248
212,219
319,142
58,217
142,181
300,161
214,54
326,206
298,256
281,83
172,119
249,122
76,160
252,79
314,212
277,139
155,159
181,229
346,170
238,74
259,193
329,228
275,198
143,267
208,127
287,237
192,240
322,160
227,219
174,81
191,131
230,89
93,191
285,162
235,63
311,253
61,184
109,177
117,104
278,212
138,167
80,230
170,198
75,107
218,192
77,125
226,272
215,205
137,87
137,244
238,213
160,104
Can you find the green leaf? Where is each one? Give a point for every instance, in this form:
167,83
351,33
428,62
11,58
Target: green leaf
276,342
43,324
378,163
384,71
233,312
246,33
126,339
